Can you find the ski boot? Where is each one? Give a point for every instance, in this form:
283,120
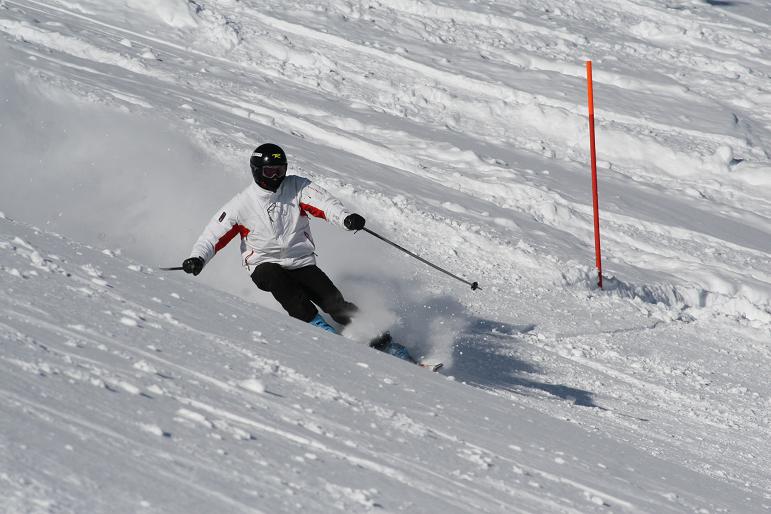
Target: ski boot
386,344
320,322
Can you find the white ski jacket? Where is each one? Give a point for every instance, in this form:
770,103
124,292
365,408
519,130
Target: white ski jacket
274,227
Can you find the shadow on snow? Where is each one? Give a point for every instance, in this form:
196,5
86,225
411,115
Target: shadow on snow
485,356
722,3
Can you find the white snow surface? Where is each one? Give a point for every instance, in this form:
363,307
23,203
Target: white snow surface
459,130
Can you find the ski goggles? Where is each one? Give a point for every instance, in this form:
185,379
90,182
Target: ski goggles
273,171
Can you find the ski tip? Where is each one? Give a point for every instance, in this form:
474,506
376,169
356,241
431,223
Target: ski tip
433,366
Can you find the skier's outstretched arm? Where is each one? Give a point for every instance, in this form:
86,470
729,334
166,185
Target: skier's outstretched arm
222,228
316,201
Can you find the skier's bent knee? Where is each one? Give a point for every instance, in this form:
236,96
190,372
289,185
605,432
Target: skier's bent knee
265,275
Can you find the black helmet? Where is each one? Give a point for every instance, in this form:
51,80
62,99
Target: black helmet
268,165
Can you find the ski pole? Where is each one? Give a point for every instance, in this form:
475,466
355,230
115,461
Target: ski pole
176,268
474,285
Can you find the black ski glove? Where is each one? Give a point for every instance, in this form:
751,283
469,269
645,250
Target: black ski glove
193,265
353,222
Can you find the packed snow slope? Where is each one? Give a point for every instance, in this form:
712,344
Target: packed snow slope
457,129
127,391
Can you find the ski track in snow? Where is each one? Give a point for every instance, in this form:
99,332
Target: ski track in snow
459,128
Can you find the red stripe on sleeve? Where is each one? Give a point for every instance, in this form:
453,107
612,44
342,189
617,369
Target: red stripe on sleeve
229,235
315,211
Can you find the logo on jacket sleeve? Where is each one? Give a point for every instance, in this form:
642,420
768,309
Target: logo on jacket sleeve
222,216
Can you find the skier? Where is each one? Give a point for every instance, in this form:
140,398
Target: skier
271,217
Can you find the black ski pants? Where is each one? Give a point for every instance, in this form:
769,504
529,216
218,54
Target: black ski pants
297,290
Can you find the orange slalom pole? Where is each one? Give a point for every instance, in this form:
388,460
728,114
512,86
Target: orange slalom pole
595,200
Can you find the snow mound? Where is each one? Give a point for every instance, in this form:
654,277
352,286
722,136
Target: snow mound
175,13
